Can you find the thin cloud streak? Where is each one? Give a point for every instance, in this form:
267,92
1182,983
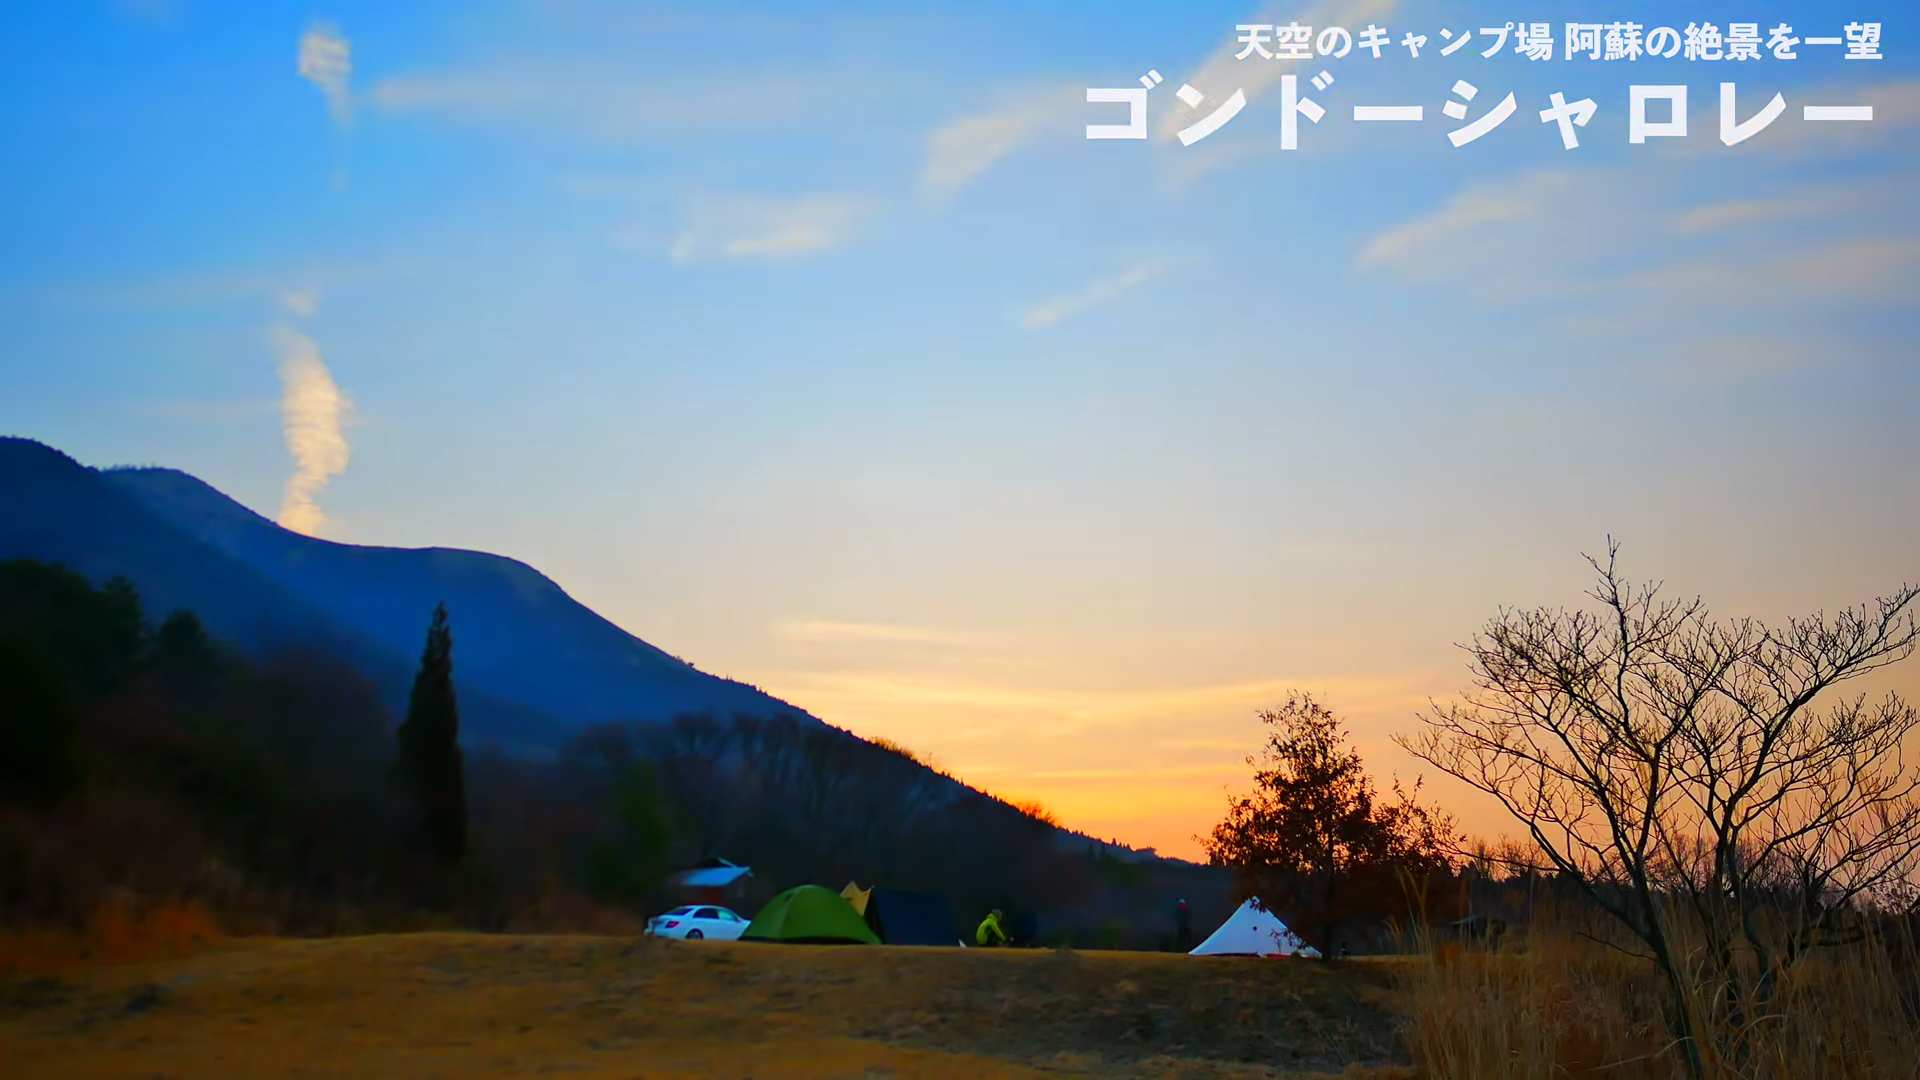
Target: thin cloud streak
847,690
1511,240
1158,757
962,150
735,227
1220,74
598,102
1729,288
1094,295
829,630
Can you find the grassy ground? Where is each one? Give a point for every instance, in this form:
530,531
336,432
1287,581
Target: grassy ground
469,1006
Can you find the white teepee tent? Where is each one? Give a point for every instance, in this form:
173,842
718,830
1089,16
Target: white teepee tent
1252,931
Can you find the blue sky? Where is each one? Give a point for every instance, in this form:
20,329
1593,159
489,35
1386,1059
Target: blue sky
816,344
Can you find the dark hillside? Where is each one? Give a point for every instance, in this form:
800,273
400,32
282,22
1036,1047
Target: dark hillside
522,637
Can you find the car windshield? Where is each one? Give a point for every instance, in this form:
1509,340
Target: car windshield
680,911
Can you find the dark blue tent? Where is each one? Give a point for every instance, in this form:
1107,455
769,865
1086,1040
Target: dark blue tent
911,918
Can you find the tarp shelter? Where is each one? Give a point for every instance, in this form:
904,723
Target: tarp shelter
911,918
809,914
709,881
857,896
1252,931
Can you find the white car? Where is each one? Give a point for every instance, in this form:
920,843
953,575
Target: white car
695,921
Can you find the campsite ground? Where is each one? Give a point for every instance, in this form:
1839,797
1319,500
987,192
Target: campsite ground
469,1005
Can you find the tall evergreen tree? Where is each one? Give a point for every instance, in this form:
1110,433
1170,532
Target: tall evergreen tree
184,658
430,764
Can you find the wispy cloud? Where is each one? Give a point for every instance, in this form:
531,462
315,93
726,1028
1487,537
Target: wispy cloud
962,150
862,692
1512,237
301,302
1220,74
1736,212
1858,269
598,101
708,225
1092,752
1718,286
314,414
1610,231
737,227
830,630
326,61
1094,295
1896,108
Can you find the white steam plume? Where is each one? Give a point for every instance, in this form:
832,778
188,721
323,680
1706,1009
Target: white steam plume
314,414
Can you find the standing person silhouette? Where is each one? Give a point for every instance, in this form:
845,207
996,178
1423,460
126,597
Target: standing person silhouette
1183,926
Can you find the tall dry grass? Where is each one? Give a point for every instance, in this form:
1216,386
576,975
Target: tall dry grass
1558,1005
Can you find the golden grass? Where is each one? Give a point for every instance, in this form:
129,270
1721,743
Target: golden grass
157,991
1573,1008
478,1006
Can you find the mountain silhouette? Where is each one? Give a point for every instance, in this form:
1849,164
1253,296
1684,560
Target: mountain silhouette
533,665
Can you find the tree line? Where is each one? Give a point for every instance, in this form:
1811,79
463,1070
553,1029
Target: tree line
281,791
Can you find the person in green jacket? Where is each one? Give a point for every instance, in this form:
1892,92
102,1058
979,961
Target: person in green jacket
990,933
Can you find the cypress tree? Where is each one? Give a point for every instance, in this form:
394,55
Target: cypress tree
185,659
430,764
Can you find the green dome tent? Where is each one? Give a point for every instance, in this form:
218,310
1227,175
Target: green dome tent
809,914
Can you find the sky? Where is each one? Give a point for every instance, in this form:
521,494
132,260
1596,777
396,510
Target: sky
817,343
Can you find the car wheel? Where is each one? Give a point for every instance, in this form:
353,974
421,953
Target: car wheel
694,935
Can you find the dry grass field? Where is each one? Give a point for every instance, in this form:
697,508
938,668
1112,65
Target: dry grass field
473,1006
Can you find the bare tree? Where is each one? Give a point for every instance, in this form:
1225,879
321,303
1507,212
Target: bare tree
1691,775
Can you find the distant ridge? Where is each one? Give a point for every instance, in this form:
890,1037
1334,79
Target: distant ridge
541,664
